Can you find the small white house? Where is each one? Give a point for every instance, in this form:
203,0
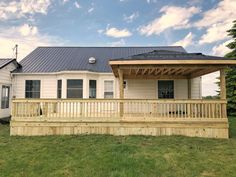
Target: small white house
117,90
6,67
84,72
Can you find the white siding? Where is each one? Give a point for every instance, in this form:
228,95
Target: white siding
196,89
143,89
181,89
5,79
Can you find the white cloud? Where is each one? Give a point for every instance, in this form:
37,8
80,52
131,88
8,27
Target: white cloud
91,10
130,18
77,5
21,8
217,21
186,41
172,17
221,49
121,42
27,37
117,33
216,32
27,30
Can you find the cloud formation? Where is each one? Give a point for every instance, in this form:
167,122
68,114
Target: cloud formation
117,33
22,8
186,41
27,37
217,21
172,17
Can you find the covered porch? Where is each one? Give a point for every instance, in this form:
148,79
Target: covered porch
122,116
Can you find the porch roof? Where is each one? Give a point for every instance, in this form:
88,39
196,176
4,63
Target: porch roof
164,64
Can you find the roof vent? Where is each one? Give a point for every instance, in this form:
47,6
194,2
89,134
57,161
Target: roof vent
92,60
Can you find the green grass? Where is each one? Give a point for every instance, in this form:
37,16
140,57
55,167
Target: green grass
99,155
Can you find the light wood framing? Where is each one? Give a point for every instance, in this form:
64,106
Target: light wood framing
144,117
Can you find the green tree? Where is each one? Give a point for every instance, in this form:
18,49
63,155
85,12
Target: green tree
231,73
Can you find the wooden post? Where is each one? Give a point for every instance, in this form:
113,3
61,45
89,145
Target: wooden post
189,97
121,86
223,91
189,88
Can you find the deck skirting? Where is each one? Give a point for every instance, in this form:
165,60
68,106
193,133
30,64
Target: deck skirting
193,128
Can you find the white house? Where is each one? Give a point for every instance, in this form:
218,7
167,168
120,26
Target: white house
84,72
6,67
116,90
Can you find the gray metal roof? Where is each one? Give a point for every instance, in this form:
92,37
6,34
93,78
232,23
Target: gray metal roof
171,55
54,59
5,61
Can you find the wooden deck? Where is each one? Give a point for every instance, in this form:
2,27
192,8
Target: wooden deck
203,118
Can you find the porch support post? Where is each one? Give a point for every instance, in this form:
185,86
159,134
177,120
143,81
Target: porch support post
189,89
121,85
223,91
189,97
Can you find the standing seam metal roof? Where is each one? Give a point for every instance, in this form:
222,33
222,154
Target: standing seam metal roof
55,59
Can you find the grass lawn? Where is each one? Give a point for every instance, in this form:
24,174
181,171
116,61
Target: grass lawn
99,155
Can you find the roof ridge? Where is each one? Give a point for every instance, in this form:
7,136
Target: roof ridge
108,46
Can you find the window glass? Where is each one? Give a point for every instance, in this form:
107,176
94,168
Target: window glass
108,89
92,88
166,89
5,97
32,89
74,88
59,86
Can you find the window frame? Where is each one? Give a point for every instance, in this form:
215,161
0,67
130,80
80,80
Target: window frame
59,88
78,88
104,91
171,95
5,100
90,95
32,87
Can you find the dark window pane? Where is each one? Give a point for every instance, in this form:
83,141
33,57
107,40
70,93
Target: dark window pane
59,86
5,97
92,88
75,88
165,89
32,89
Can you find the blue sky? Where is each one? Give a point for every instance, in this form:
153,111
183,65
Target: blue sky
198,25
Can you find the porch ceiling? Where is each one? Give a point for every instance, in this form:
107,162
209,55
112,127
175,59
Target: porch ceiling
162,69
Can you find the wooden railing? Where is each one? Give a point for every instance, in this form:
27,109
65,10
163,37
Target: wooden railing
67,109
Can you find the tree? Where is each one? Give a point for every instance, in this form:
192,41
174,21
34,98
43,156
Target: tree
231,73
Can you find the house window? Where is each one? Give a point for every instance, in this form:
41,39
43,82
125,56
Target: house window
74,88
59,86
32,89
92,88
166,89
108,89
5,97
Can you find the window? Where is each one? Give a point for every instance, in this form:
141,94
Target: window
74,88
166,89
108,89
59,85
5,97
32,89
92,88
